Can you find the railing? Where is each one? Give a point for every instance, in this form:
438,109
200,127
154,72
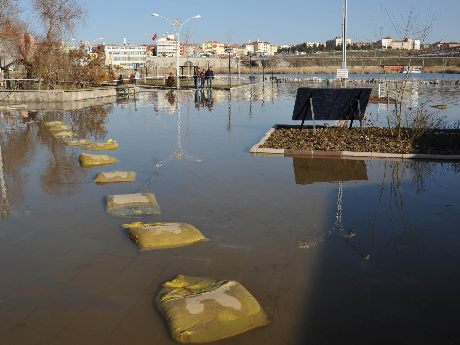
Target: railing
19,84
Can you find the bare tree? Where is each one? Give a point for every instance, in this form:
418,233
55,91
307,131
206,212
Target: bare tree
59,17
8,9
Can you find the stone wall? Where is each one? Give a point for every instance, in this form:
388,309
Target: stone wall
168,64
52,96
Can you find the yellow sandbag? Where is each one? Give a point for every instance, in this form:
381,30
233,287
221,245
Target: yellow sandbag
64,135
115,176
163,235
77,142
132,205
88,161
60,128
109,145
200,310
54,123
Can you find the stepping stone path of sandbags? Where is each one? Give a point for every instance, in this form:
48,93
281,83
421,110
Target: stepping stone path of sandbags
197,310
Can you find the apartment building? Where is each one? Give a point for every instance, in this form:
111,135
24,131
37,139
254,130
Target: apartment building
125,56
261,48
167,46
213,48
337,42
405,44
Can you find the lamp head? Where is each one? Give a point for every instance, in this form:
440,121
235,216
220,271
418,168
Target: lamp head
197,16
155,14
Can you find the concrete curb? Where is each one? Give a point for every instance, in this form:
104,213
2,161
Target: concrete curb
256,149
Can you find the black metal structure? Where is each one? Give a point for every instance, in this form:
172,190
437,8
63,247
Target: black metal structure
330,104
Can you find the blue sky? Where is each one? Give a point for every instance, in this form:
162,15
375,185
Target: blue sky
286,21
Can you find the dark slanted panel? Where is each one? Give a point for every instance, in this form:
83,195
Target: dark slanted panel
330,104
314,170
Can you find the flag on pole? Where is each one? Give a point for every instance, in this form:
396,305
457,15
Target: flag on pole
154,37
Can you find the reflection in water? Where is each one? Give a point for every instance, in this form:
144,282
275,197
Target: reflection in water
4,206
313,170
391,198
62,174
375,268
90,122
22,132
204,98
17,141
229,119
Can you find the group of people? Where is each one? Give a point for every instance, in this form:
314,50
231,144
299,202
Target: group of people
203,98
133,78
202,77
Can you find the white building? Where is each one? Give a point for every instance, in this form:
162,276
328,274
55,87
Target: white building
167,46
125,56
249,48
389,43
336,42
213,48
260,48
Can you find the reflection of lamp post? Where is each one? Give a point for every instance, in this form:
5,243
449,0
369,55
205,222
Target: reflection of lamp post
4,202
177,25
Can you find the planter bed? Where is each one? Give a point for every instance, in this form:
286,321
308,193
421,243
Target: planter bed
367,142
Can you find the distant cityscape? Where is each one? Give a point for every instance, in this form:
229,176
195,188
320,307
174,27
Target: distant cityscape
132,56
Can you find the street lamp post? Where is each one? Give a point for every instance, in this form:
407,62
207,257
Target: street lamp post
344,39
177,25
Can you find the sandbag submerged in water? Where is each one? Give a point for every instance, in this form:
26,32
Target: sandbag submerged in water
201,310
109,145
60,128
54,123
64,135
132,205
88,161
115,177
163,235
77,142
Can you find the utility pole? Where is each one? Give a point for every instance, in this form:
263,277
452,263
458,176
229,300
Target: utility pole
344,39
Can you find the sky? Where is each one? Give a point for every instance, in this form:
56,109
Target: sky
276,21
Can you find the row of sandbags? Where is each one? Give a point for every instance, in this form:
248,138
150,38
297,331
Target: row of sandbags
198,310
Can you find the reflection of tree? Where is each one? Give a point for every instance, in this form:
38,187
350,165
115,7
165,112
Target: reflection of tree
4,205
62,174
90,121
18,147
86,123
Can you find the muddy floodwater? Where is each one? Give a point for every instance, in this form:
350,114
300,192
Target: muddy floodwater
335,251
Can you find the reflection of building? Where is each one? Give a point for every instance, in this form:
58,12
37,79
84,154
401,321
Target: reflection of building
314,170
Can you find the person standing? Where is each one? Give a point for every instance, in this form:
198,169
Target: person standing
209,76
202,78
120,80
137,76
196,77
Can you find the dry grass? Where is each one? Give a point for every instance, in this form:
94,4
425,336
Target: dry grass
366,139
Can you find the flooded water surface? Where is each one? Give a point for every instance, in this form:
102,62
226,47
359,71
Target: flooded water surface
335,251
